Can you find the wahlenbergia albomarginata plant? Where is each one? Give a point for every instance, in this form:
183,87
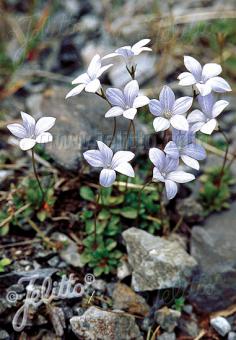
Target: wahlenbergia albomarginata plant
174,116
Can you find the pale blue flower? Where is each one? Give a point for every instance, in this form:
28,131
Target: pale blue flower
204,78
30,132
125,102
170,111
205,118
89,81
184,146
104,158
165,171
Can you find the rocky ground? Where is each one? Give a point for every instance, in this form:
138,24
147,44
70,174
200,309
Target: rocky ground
175,285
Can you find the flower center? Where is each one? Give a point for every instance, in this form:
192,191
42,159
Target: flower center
167,114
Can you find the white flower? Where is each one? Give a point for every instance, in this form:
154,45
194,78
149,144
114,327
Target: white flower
125,103
204,78
30,132
205,119
170,111
89,81
104,158
165,171
129,52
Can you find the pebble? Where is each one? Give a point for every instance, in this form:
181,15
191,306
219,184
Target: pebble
232,336
220,325
168,318
166,336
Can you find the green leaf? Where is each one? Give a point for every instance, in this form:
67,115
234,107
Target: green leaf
98,271
87,194
104,214
110,244
129,212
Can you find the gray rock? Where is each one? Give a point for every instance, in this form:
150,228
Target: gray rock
80,123
123,270
167,318
190,210
166,336
221,325
69,253
189,326
214,248
232,336
4,335
97,324
156,262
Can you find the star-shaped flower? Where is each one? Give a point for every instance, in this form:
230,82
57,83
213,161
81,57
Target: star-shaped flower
165,171
30,132
104,158
129,52
205,119
204,78
184,146
89,81
125,103
170,111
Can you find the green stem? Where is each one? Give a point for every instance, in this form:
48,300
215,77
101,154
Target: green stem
95,218
134,132
37,177
163,214
225,156
114,133
139,197
127,136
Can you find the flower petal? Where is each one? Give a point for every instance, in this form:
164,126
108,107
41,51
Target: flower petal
211,70
121,157
155,107
204,89
193,66
179,122
114,112
196,116
125,51
125,169
106,152
171,189
17,130
186,78
107,177
140,43
180,176
103,69
130,113
167,98
93,86
44,124
195,151
157,157
131,91
218,84
115,97
161,124
110,55
76,90
218,107
189,161
27,143
140,101
171,164
182,105
28,123
94,158
44,137
94,66
206,103
82,79
172,150
157,175
209,127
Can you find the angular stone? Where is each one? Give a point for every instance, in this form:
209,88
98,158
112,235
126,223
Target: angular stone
97,324
156,262
213,246
80,123
126,299
167,318
221,325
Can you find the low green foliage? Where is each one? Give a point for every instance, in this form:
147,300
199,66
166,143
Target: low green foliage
215,192
179,304
4,263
